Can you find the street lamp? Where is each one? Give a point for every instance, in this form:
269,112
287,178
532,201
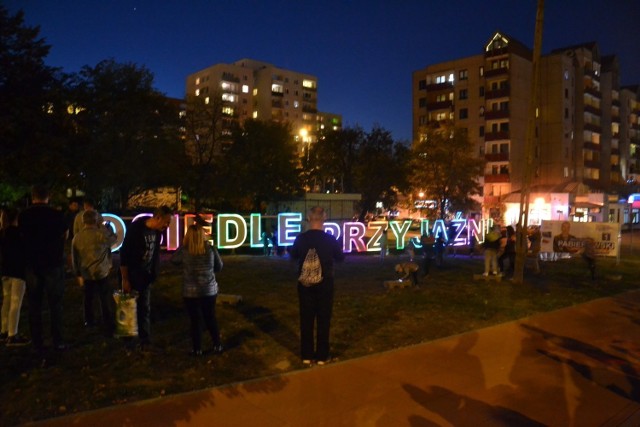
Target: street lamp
304,138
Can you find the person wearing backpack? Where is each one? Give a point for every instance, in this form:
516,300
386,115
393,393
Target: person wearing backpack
315,252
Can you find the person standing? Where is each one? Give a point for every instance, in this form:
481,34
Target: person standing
78,222
384,244
91,259
139,264
491,247
316,301
43,231
13,279
508,252
200,262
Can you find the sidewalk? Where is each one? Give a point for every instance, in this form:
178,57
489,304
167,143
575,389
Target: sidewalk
578,366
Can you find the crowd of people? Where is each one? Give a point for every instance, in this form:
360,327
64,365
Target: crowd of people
39,245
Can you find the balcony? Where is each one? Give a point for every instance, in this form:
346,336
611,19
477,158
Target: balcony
615,102
592,146
592,164
495,136
308,109
496,72
501,177
496,114
615,168
591,182
279,94
433,87
593,127
592,109
497,93
592,91
615,151
496,157
441,105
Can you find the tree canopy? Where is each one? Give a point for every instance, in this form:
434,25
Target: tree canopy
445,167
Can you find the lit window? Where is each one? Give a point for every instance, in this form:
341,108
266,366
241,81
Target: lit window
198,81
277,88
255,114
197,92
227,110
309,84
296,104
451,78
206,100
229,97
245,88
255,91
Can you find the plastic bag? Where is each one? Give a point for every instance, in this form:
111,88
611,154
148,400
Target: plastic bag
126,314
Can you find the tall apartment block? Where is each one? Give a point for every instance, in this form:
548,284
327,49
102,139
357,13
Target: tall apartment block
587,126
255,89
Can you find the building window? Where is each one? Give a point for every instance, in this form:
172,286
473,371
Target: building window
441,116
296,104
441,97
566,93
481,71
566,113
277,88
197,92
464,113
463,74
206,100
481,131
309,84
422,85
481,91
198,80
422,102
463,94
441,79
245,88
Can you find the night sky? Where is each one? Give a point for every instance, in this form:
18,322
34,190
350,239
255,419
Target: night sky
363,52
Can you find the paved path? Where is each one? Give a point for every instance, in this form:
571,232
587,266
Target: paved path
578,366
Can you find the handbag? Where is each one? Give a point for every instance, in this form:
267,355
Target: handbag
126,314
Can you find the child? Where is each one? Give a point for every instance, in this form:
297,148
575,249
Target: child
13,279
200,262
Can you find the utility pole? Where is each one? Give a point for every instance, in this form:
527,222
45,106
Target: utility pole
527,170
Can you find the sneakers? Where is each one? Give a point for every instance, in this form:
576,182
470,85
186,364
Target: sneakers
218,349
485,274
17,341
306,362
196,353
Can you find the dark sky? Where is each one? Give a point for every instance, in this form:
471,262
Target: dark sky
363,52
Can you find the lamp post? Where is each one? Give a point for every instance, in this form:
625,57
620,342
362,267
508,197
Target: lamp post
304,138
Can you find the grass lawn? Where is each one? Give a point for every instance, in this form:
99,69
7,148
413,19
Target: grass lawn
261,333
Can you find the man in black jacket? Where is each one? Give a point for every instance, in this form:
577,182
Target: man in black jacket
316,301
139,262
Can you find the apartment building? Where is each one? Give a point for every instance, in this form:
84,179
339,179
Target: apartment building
586,133
256,89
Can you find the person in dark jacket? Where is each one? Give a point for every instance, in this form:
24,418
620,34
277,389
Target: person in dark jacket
43,231
139,263
12,270
509,252
316,301
200,262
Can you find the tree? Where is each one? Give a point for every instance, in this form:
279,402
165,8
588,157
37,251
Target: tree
333,158
30,144
261,166
128,131
206,138
444,166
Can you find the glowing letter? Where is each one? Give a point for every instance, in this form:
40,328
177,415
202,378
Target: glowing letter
333,229
373,244
225,221
353,232
289,225
440,230
256,231
400,231
118,227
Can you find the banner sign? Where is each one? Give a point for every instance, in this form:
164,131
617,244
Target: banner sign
569,237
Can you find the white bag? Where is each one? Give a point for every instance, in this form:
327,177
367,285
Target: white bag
126,315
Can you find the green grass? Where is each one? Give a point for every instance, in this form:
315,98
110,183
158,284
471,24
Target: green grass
261,333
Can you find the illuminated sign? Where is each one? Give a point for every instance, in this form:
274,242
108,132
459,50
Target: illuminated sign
233,231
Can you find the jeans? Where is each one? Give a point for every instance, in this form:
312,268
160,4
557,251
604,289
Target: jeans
316,306
49,282
102,289
12,291
202,310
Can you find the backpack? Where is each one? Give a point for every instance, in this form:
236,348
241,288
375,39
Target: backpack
311,272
